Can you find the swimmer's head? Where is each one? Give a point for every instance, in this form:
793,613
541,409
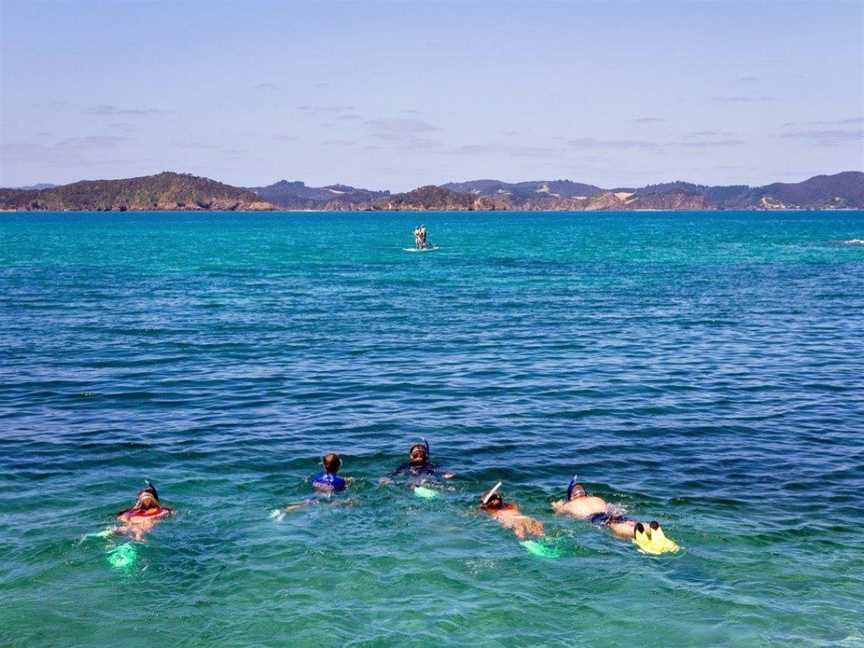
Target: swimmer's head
654,525
639,528
332,463
575,490
147,498
493,503
418,454
491,499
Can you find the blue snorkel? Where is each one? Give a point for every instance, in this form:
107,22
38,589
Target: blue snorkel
426,443
570,486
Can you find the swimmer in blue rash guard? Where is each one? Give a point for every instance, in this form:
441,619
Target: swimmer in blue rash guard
325,482
328,481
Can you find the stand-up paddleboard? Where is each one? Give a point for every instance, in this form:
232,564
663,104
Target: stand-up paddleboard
431,248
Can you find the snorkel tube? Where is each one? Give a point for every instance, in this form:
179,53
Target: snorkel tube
484,501
150,488
570,486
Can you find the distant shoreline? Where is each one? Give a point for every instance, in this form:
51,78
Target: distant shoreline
170,191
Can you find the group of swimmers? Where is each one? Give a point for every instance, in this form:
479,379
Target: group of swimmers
148,510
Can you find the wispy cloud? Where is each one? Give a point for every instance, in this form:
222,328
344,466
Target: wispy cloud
512,150
324,109
748,79
348,117
826,137
722,143
107,110
265,86
851,121
92,142
85,151
397,128
593,143
745,99
195,145
705,140
649,120
285,137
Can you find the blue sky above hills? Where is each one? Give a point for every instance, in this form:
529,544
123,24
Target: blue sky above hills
397,94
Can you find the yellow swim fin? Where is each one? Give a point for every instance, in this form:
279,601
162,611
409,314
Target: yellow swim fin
661,542
643,541
654,542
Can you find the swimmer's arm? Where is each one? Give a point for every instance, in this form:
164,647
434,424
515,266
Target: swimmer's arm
297,505
559,506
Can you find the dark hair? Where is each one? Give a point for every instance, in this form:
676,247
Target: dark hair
332,462
640,528
654,525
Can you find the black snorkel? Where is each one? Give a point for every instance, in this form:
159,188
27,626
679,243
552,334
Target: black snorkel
570,487
150,488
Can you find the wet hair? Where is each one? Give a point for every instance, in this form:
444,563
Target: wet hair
332,462
639,528
654,525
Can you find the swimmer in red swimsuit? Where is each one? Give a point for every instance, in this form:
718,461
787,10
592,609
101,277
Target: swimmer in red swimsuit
144,515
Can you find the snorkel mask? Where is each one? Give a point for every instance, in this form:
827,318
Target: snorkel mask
149,488
424,446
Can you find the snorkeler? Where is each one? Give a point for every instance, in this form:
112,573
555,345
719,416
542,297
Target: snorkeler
508,514
328,480
599,512
325,482
418,464
144,514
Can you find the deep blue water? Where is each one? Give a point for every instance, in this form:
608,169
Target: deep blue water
702,369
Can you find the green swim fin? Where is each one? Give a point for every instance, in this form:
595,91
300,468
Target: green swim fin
540,549
425,493
123,556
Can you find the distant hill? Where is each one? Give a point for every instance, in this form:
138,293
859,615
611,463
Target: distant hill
526,192
842,190
165,191
170,191
34,187
430,198
296,195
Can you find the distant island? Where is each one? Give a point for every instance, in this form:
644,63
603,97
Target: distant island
170,191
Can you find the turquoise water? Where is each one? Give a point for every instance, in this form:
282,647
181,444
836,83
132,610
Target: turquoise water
705,370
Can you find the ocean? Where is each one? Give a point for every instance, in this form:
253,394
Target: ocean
705,370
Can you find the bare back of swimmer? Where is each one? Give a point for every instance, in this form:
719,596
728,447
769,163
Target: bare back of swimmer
510,516
596,510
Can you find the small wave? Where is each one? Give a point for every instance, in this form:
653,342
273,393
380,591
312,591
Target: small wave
853,242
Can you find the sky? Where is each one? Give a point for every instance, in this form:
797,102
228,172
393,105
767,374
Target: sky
394,95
